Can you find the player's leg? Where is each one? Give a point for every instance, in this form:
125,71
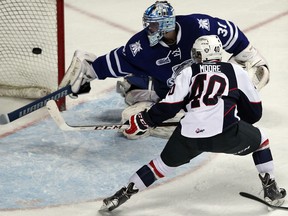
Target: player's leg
249,139
175,153
264,163
243,139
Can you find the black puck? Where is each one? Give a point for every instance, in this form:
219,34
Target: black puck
37,50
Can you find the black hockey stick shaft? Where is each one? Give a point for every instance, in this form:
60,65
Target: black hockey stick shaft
255,198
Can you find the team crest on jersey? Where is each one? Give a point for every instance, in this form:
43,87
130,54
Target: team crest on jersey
135,48
167,60
164,61
177,70
204,24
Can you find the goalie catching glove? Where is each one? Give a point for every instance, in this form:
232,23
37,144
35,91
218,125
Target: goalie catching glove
80,73
139,126
255,65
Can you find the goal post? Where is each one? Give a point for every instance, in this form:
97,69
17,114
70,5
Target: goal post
32,47
61,48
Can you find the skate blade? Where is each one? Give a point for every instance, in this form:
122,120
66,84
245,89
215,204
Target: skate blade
107,206
104,208
278,202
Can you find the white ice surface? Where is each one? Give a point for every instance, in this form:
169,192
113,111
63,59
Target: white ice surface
44,171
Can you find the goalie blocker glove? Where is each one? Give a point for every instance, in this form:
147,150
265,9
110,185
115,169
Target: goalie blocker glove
80,72
139,126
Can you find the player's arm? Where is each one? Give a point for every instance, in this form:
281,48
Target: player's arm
86,67
117,63
129,59
161,111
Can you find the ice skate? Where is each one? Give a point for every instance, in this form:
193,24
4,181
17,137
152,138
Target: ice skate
272,194
120,197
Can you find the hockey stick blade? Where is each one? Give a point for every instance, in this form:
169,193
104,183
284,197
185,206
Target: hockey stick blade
255,198
59,120
35,105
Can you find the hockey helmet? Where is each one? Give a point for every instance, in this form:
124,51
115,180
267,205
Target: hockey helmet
158,19
207,48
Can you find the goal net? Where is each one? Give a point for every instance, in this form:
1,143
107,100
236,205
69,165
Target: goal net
31,47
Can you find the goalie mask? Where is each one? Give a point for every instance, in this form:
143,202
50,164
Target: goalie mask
158,19
207,48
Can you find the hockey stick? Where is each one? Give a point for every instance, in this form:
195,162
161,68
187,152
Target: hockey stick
35,105
59,120
250,196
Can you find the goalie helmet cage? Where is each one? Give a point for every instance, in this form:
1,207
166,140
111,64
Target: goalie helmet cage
32,49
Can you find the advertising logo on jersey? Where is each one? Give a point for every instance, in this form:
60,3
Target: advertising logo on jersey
204,24
198,130
135,48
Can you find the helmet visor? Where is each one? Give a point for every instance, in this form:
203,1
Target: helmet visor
151,27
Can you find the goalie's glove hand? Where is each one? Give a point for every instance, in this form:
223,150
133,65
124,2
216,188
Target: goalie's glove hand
80,72
256,66
138,126
260,77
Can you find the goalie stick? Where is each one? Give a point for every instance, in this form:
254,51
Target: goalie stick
250,196
35,105
59,120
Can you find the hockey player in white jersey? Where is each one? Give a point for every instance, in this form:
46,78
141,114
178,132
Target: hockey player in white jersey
150,58
220,104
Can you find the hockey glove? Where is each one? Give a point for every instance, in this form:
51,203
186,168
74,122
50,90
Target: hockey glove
256,66
138,126
79,72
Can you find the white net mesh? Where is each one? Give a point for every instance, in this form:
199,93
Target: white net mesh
28,48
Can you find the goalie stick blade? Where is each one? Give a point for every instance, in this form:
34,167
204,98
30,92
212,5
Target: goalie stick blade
59,120
35,105
255,198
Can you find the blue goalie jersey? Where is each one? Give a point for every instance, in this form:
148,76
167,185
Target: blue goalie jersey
162,61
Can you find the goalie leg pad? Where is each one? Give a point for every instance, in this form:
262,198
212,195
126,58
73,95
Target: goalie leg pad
141,95
166,132
134,109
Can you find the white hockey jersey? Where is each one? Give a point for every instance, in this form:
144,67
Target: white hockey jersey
214,96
